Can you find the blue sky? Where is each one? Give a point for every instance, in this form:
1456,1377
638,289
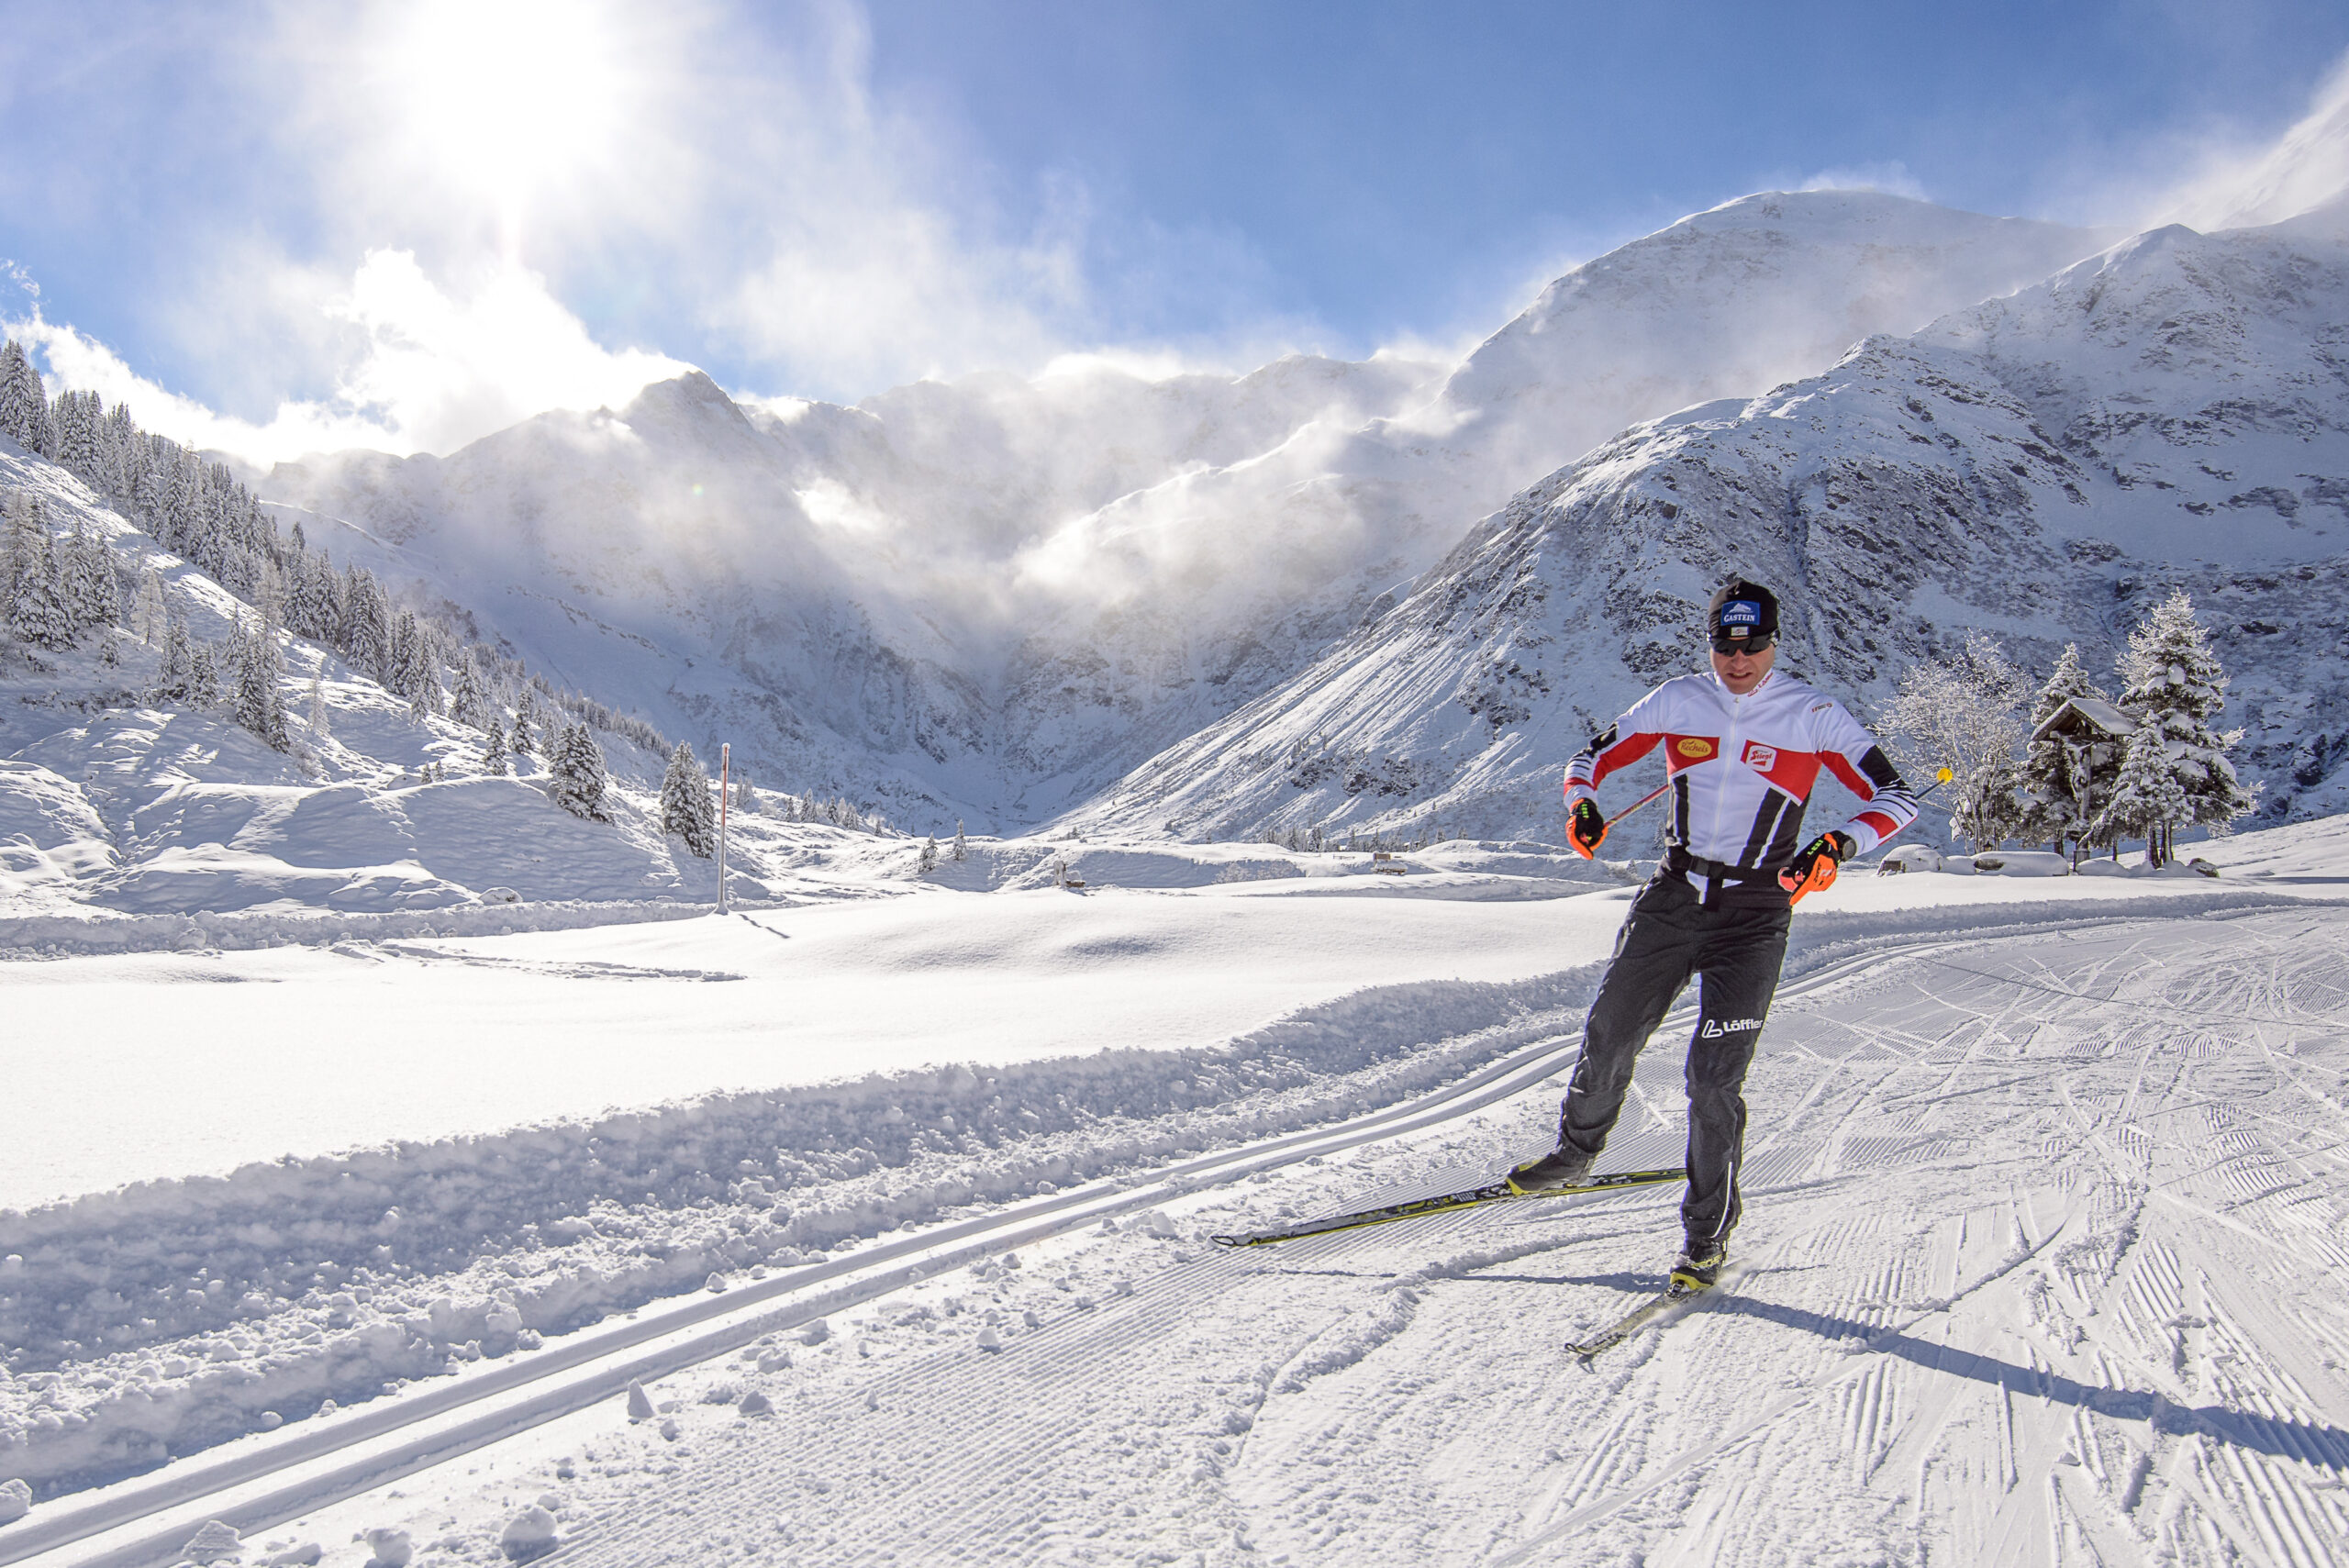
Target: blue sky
424,219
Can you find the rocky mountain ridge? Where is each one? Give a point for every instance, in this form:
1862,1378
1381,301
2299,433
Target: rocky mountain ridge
2173,412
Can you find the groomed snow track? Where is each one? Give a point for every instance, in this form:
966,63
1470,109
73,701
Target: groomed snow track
2042,1259
259,1482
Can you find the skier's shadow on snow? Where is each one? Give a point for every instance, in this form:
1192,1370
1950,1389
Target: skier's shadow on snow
2285,1439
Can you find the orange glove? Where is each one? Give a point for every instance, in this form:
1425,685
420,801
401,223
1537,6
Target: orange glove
1813,866
1586,829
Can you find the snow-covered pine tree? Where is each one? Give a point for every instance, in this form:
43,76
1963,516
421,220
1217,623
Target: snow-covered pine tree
961,850
468,702
2146,799
687,807
90,587
421,674
310,599
493,759
400,649
122,456
747,799
526,717
183,514
175,671
151,484
24,402
261,711
317,713
41,612
17,546
365,636
2173,682
929,855
76,419
204,676
576,772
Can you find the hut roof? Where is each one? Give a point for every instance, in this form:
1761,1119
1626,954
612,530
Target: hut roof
2094,713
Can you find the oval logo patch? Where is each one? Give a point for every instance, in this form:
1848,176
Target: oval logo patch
1696,745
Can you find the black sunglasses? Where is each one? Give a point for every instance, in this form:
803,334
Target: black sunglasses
1724,643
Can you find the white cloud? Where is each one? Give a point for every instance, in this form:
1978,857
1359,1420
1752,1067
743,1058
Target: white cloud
474,177
431,371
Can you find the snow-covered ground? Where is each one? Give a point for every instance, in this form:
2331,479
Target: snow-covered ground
2046,1193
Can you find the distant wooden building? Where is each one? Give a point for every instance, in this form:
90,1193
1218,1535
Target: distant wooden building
2095,734
2089,720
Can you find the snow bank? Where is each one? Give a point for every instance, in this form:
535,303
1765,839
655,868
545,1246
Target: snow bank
171,1315
99,930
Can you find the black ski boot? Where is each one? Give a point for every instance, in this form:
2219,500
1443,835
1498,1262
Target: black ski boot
1563,1166
1699,1267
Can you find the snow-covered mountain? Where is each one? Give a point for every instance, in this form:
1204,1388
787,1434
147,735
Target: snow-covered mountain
2174,411
990,599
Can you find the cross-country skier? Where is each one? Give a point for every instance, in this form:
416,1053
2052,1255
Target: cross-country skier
1741,747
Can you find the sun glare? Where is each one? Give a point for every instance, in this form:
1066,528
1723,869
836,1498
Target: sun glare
510,98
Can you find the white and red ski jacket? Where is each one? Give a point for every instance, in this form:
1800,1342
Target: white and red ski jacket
1742,768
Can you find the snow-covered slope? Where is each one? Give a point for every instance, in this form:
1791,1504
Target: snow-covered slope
991,598
2174,411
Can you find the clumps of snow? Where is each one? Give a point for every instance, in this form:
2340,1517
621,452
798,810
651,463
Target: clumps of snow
216,1542
15,1500
529,1534
388,1547
2023,863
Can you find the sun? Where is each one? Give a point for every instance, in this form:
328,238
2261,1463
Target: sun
511,100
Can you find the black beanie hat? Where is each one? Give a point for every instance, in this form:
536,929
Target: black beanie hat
1742,608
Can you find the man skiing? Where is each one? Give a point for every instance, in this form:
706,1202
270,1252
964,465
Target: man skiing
1741,749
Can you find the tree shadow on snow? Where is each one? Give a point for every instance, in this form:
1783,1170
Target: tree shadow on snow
2324,1446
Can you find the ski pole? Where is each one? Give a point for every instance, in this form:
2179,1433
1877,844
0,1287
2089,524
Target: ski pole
1637,803
1939,778
1628,809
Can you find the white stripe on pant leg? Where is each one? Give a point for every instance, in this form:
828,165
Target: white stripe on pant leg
1728,1200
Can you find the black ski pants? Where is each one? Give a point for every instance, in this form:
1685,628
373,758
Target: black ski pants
1736,944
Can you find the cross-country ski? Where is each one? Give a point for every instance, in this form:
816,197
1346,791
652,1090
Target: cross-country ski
1446,1202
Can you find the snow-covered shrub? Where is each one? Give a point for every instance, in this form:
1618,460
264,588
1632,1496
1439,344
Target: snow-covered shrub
1962,712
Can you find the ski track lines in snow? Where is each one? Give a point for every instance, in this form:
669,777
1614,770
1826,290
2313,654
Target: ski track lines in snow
2041,1264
